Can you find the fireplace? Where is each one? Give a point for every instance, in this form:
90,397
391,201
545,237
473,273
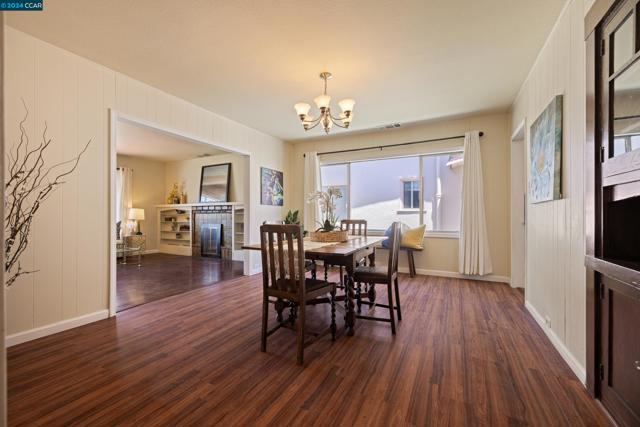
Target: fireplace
211,240
212,231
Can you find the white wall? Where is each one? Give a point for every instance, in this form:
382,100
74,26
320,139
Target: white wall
187,173
70,246
441,254
148,191
555,273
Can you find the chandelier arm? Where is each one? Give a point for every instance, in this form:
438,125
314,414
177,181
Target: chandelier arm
317,122
335,122
335,118
314,120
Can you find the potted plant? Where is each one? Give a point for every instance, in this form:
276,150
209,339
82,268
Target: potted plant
327,232
293,217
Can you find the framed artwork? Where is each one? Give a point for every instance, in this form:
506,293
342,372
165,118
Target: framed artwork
215,183
271,187
545,157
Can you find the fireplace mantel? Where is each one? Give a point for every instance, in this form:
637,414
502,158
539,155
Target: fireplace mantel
189,205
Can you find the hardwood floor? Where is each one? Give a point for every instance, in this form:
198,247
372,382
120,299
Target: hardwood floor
163,275
466,354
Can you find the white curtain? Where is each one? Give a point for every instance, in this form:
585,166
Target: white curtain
124,198
474,257
311,183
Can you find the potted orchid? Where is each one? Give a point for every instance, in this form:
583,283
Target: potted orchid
326,200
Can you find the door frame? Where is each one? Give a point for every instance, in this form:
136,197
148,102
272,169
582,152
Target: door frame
114,117
519,136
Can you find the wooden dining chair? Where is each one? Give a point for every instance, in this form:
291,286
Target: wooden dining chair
283,278
385,275
309,265
354,227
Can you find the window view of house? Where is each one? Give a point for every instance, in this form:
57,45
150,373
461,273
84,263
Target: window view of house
412,194
442,186
386,190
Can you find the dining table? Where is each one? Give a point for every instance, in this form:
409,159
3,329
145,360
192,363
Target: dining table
346,254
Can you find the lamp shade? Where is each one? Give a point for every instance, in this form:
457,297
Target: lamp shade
136,213
322,101
302,108
347,104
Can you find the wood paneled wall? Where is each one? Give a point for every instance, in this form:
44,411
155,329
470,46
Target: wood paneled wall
3,349
70,247
555,277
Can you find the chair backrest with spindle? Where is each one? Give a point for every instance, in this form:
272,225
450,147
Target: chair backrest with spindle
355,227
283,258
394,249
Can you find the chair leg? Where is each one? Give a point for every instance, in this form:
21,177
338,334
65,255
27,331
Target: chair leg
395,285
333,315
392,314
314,272
326,272
341,278
301,330
265,318
359,297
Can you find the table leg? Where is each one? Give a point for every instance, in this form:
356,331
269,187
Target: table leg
350,317
279,306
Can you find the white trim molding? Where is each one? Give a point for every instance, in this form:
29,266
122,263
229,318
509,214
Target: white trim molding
455,274
573,363
43,331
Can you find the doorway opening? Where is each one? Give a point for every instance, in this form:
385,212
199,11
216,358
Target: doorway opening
178,213
519,207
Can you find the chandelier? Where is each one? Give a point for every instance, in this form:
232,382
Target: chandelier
325,118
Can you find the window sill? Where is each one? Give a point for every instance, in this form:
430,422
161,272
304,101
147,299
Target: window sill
427,235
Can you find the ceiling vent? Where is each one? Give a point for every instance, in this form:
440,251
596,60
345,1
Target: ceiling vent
390,126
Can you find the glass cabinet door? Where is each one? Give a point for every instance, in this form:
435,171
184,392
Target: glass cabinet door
620,90
626,111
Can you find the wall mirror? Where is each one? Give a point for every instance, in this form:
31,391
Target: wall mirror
215,183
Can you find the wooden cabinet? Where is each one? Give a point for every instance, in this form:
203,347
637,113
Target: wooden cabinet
612,209
620,337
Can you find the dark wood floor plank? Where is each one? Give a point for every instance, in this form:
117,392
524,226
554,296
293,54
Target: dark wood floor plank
164,275
466,354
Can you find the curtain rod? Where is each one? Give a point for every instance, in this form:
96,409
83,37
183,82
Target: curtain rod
380,147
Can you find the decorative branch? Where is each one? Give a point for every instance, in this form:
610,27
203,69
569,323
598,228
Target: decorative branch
28,185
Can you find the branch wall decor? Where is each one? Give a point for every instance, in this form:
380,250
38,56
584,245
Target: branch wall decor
28,184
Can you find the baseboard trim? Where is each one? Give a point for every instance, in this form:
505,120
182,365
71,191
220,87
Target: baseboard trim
151,251
439,273
573,363
63,325
454,274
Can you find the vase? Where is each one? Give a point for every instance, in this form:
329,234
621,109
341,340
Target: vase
329,236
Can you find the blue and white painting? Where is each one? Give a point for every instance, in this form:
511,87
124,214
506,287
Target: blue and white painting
545,169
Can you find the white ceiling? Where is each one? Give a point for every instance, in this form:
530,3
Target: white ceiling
250,60
140,141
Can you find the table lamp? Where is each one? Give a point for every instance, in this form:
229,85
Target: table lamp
137,215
